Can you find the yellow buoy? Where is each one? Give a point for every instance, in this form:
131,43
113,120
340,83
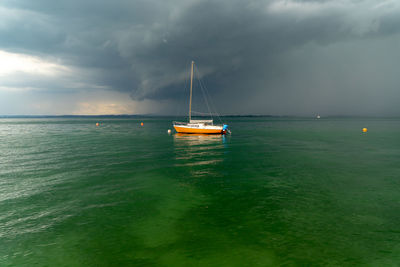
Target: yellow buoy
141,123
97,124
365,130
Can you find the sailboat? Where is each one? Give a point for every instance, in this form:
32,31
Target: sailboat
198,126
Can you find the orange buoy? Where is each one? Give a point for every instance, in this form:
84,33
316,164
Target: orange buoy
365,130
141,123
97,124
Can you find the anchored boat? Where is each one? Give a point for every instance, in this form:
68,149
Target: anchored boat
198,126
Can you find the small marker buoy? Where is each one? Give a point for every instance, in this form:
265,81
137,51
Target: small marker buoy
97,124
169,131
365,130
141,123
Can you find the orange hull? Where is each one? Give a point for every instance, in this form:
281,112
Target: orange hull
196,131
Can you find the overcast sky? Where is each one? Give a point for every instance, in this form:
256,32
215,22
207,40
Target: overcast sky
277,57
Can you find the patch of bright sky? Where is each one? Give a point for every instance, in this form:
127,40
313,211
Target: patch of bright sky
28,100
95,102
12,62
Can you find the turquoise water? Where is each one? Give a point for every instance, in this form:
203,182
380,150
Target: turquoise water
274,192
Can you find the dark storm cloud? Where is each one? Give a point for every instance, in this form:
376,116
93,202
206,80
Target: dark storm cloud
279,57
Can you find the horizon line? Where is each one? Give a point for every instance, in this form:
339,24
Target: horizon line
169,115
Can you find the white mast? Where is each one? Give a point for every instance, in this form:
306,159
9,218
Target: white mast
191,86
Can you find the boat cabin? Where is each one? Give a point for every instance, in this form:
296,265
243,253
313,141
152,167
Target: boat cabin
203,122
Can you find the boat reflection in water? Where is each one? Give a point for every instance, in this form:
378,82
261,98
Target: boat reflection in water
201,152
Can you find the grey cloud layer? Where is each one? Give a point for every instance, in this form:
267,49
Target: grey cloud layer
278,57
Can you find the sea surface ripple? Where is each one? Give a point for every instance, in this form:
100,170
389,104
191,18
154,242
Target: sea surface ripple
277,191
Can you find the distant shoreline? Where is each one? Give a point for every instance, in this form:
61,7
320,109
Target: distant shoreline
125,115
166,116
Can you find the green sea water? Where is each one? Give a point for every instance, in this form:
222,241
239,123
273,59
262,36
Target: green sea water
277,191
